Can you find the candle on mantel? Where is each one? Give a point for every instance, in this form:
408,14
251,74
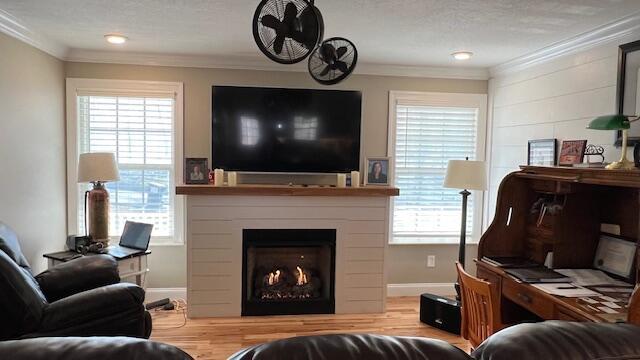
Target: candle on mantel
232,178
355,179
218,177
342,180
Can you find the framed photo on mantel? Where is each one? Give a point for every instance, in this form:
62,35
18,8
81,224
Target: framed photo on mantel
378,171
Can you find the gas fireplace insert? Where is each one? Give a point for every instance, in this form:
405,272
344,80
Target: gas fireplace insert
288,271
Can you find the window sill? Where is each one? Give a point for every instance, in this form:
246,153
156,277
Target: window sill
432,241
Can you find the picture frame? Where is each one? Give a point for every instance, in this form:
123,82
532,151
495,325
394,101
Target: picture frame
542,152
628,89
196,171
615,255
572,152
378,171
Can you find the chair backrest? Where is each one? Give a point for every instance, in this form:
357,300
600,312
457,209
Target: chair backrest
10,245
479,317
21,300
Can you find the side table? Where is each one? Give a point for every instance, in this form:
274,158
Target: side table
132,269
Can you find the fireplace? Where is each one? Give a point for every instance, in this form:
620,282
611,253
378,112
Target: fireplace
288,271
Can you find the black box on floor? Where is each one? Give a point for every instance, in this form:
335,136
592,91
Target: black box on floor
441,313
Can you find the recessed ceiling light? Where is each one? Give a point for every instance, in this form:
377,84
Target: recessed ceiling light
462,55
115,39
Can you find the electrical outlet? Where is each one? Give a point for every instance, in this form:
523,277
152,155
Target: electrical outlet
431,261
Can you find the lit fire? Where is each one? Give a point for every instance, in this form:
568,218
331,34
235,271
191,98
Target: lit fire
302,277
274,277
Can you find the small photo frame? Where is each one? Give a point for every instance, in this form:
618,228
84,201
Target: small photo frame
378,171
196,171
542,152
572,152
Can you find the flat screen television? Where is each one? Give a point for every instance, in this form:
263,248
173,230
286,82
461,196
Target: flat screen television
285,130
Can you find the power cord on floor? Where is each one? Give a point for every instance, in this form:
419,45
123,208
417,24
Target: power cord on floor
179,305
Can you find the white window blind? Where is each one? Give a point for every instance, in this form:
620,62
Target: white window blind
426,138
140,131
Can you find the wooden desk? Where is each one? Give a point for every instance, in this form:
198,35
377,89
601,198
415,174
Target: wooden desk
549,307
588,197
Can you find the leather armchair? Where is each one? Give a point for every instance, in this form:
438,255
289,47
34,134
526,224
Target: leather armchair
80,298
94,348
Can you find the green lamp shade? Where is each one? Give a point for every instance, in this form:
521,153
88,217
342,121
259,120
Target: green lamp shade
610,122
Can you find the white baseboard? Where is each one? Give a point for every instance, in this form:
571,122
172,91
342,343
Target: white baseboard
441,289
155,294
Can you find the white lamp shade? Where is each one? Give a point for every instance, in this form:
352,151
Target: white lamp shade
466,174
94,167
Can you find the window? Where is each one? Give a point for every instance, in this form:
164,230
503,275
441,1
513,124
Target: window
428,130
140,128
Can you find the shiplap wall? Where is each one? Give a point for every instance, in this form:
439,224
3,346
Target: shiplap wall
214,246
556,99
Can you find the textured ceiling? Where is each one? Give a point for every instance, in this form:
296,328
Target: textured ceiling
398,32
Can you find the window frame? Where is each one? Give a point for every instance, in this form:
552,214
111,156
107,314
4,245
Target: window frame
106,87
439,99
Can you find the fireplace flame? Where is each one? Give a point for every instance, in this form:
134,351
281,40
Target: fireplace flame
302,277
274,277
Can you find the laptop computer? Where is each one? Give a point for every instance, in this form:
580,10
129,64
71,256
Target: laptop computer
133,241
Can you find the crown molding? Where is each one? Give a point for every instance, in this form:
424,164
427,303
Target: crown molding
12,26
599,36
263,64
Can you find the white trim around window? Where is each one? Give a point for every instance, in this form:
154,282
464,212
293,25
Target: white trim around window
104,87
443,100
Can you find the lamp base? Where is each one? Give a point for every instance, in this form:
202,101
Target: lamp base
621,165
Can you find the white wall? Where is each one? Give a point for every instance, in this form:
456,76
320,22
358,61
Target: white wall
32,148
556,99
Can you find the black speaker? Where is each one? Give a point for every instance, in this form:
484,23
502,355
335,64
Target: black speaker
636,154
441,313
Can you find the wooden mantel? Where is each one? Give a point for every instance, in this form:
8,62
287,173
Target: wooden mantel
285,190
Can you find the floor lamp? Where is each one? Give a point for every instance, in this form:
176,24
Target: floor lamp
466,175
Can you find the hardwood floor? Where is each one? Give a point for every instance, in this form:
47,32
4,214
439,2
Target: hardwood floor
217,338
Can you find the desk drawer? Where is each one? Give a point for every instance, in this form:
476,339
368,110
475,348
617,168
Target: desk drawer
527,298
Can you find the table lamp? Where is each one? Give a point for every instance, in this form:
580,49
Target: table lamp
97,168
616,122
466,175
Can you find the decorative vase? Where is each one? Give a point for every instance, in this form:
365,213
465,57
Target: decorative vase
98,206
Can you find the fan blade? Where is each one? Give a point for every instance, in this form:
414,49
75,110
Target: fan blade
341,51
270,21
328,53
297,36
342,66
290,14
325,71
278,44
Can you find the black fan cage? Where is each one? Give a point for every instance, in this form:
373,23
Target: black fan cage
334,76
292,51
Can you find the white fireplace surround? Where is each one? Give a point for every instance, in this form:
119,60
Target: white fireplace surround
214,246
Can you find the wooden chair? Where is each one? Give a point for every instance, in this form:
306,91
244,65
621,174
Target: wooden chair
480,310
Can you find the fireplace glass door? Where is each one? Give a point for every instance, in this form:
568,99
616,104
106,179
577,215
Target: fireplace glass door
288,271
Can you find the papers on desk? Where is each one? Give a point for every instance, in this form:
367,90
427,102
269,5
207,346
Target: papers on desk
566,290
590,277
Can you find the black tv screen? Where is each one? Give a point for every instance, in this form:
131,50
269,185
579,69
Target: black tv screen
285,130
